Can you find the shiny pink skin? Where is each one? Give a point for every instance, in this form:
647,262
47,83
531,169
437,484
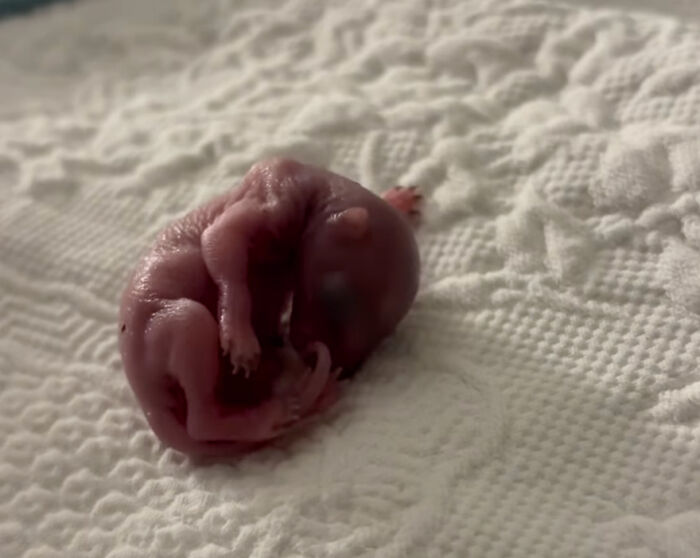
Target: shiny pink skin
202,316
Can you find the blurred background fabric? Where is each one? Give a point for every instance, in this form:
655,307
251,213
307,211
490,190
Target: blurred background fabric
15,7
542,399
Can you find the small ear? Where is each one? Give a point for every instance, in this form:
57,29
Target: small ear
352,222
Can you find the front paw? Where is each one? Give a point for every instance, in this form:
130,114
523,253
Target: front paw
242,349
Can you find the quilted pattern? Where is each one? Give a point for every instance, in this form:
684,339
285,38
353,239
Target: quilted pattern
542,398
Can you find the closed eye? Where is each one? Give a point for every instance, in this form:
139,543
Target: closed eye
337,297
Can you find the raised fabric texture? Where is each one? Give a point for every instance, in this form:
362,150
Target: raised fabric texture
541,400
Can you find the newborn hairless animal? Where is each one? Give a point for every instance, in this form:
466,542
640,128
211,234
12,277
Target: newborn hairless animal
207,344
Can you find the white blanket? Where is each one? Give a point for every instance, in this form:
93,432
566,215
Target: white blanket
541,400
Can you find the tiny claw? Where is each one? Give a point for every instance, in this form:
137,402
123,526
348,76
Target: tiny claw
243,364
237,368
295,409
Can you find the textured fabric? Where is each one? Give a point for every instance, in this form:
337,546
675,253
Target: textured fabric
542,399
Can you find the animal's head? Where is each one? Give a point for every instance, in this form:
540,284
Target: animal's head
357,278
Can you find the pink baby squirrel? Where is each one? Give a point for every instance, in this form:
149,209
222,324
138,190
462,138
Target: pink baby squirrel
217,284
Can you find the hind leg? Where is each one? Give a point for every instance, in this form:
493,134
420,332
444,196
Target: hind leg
318,388
187,333
407,200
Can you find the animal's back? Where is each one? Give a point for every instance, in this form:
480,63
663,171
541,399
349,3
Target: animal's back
172,269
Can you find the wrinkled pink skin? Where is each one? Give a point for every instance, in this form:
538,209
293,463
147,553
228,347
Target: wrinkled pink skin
214,288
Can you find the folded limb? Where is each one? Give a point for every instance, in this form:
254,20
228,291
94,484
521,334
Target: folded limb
189,336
